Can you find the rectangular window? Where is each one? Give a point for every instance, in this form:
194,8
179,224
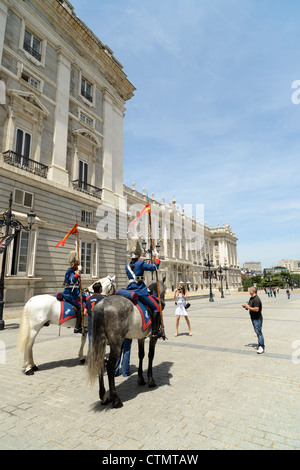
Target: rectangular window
20,253
32,81
86,258
32,45
23,144
86,90
86,217
23,198
86,119
83,175
95,259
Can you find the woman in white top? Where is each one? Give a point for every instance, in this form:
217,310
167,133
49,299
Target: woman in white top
181,311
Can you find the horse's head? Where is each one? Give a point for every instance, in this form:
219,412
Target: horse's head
108,285
162,288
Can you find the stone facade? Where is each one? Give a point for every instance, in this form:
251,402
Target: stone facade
184,244
292,265
63,96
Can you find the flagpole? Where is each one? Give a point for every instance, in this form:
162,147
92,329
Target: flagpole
80,288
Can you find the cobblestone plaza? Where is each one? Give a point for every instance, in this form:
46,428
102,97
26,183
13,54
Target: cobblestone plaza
213,390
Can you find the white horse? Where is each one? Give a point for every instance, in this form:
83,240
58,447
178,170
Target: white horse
45,309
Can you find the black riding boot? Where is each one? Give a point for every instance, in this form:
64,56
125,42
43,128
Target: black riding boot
78,326
156,330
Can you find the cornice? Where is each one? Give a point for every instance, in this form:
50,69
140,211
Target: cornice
110,74
112,69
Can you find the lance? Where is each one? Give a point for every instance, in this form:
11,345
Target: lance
157,283
80,288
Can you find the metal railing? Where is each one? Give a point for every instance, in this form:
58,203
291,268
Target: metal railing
87,188
25,163
86,95
32,51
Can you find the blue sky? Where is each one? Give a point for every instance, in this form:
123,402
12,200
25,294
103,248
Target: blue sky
212,121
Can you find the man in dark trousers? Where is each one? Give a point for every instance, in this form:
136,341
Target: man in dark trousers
254,306
90,305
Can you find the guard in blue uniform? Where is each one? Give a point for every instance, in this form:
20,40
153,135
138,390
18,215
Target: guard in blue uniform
135,273
71,292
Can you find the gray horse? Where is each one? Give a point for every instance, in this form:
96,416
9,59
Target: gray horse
117,318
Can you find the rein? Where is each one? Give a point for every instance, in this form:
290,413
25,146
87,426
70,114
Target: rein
112,288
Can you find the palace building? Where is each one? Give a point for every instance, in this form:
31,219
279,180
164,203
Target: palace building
63,99
185,244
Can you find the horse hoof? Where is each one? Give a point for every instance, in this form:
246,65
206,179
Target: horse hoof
117,404
151,383
29,372
141,381
105,400
82,361
35,368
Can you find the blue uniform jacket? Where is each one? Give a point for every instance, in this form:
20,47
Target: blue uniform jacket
72,279
139,267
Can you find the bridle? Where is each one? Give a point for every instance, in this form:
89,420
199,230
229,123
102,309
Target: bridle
112,287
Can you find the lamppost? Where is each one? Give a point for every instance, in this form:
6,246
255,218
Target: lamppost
220,271
209,263
7,220
157,248
248,274
269,280
226,269
144,245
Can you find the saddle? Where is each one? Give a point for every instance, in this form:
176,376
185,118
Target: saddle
67,310
144,311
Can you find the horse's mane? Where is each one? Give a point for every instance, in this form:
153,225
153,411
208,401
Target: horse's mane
153,287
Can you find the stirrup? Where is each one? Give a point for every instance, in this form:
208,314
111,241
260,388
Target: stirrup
159,334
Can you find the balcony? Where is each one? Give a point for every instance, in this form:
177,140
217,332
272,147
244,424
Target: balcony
32,51
14,159
86,95
87,188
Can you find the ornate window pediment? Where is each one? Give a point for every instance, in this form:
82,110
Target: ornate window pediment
27,98
88,137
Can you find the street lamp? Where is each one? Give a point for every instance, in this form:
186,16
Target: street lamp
209,263
226,269
248,274
220,271
7,220
144,245
157,248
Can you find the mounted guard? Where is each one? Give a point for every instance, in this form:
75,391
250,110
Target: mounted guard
71,292
135,273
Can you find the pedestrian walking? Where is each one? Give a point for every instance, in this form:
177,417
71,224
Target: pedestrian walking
254,306
181,310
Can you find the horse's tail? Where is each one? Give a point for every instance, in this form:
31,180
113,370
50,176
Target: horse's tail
24,330
95,358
